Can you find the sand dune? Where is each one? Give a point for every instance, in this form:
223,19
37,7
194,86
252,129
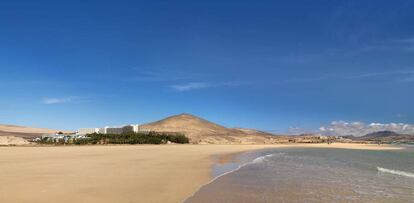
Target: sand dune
12,140
22,131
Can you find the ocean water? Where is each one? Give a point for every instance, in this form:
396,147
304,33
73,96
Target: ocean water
313,175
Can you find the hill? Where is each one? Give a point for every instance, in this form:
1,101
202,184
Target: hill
24,132
201,131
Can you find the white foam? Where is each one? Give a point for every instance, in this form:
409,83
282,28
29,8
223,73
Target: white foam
396,172
260,159
256,160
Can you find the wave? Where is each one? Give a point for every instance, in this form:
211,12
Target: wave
262,158
259,159
396,172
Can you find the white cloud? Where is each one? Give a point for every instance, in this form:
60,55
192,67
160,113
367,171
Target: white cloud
360,129
61,100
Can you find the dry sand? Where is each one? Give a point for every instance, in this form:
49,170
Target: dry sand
139,173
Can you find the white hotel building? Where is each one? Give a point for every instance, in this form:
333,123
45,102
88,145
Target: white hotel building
110,130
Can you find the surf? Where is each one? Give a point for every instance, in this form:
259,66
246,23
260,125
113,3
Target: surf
396,172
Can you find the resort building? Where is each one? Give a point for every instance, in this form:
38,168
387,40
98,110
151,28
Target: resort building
84,131
110,130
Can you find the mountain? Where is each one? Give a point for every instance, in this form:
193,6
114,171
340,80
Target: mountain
387,137
21,131
201,131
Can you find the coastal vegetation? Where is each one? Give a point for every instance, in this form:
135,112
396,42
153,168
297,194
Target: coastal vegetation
125,138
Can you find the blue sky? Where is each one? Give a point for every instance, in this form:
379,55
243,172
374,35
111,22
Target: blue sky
269,65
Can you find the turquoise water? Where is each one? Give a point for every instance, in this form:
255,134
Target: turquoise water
313,175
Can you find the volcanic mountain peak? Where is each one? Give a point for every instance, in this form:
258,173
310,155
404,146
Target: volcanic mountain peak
200,130
185,117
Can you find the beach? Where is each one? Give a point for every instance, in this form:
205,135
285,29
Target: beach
134,173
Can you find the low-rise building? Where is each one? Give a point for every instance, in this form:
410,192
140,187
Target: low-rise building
53,136
59,137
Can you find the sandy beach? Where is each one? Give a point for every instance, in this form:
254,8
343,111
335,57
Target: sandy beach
135,173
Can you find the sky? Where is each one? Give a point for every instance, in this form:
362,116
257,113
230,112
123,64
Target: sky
269,65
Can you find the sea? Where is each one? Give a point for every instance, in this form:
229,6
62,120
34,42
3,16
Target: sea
313,175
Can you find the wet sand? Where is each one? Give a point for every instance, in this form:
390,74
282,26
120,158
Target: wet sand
138,173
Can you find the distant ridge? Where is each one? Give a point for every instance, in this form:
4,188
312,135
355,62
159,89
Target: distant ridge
386,136
202,131
381,134
22,131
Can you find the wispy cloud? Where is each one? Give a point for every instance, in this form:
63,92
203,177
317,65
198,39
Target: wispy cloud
62,100
398,76
408,78
379,74
161,75
402,40
309,79
191,86
202,85
400,115
304,58
403,44
180,81
25,83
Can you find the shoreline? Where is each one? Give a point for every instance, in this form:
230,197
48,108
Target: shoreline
115,173
231,157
